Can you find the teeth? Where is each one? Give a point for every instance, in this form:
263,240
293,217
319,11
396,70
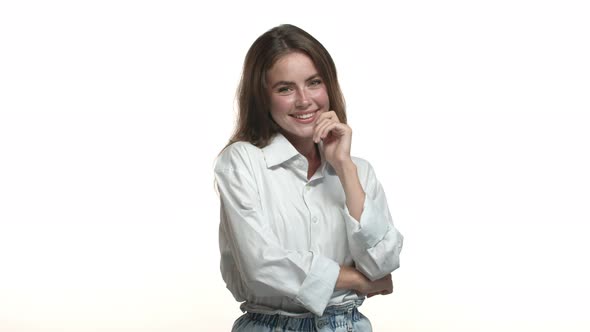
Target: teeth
303,116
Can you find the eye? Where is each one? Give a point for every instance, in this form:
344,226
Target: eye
284,89
315,82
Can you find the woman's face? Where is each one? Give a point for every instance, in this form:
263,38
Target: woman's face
298,94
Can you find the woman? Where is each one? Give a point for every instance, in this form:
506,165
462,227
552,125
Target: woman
305,232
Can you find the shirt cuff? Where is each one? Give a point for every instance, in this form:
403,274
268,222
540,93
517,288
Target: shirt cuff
318,287
372,227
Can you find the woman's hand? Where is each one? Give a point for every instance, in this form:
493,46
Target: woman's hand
381,286
337,138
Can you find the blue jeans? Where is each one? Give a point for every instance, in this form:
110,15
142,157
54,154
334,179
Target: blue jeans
343,317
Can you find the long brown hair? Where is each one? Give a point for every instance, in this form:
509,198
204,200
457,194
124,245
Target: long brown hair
254,123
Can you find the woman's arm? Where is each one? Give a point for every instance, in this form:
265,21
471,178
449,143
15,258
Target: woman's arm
337,139
355,195
374,242
351,278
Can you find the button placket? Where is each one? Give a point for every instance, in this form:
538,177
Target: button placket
314,219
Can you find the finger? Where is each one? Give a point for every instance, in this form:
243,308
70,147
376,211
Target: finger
331,115
323,120
318,127
326,117
320,130
334,116
332,127
335,128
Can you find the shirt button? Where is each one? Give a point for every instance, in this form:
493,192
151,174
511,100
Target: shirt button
307,187
314,220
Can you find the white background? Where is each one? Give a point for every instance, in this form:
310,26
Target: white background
474,114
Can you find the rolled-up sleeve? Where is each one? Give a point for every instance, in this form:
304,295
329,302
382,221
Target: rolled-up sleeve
374,242
266,267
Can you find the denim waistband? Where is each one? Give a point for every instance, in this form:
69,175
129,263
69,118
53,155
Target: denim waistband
334,309
342,308
337,315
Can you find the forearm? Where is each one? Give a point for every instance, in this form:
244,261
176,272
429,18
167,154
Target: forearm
355,195
350,278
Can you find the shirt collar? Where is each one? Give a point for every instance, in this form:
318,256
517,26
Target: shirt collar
281,150
278,151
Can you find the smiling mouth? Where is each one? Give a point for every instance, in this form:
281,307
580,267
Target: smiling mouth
303,116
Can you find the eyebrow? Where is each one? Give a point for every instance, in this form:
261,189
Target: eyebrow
293,83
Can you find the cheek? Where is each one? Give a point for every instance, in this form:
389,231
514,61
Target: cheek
280,104
321,97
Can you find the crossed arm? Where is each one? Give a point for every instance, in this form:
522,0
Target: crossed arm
337,137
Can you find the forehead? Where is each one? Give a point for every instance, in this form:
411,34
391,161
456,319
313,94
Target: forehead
292,66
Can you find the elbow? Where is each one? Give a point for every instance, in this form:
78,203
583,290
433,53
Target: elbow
267,278
383,258
377,270
393,265
258,283
256,276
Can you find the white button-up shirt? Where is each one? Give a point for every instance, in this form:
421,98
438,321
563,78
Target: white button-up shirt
283,237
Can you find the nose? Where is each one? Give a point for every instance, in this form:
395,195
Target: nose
302,100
